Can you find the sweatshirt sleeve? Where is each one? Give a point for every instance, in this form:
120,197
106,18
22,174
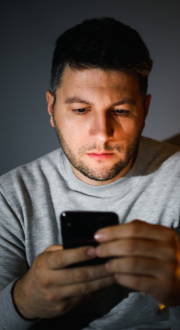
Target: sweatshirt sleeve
12,264
10,319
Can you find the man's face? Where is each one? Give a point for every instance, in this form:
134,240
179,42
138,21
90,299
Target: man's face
98,116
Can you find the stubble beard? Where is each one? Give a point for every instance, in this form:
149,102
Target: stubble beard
103,174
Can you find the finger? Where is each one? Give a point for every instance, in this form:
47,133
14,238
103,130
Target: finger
139,283
145,284
85,288
136,228
141,266
74,275
62,258
137,247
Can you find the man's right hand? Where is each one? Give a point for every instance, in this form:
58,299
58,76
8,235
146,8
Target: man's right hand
49,289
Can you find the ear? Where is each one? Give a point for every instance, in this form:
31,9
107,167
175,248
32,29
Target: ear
147,102
50,100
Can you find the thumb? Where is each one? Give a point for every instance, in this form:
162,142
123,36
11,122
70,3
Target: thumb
53,248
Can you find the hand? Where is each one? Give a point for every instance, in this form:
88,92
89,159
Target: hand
48,289
146,258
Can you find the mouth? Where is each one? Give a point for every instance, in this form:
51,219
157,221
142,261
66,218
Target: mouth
103,155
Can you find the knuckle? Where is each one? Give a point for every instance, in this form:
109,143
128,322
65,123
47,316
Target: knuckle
37,264
79,253
107,281
133,264
131,246
59,259
134,227
85,289
81,275
63,276
51,297
45,282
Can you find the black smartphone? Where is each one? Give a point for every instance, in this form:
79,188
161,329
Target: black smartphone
78,229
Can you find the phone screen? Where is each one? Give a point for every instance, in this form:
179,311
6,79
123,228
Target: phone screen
78,229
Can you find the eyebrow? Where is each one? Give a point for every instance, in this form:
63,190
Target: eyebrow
76,99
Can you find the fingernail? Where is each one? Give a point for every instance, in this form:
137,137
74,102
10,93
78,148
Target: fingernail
91,252
99,236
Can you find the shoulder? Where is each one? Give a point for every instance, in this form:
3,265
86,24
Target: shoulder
31,175
160,154
159,147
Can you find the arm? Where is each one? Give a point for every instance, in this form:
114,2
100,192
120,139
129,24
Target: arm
12,265
47,289
146,258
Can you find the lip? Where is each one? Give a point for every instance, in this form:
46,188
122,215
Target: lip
100,155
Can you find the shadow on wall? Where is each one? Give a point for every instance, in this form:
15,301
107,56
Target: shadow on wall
174,140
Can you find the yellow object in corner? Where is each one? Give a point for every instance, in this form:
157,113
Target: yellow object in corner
161,306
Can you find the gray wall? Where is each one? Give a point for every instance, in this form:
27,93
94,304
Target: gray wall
27,34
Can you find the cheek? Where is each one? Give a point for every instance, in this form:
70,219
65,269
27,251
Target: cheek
73,132
132,127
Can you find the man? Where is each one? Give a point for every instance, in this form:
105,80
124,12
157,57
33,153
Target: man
98,105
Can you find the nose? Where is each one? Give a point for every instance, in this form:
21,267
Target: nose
101,127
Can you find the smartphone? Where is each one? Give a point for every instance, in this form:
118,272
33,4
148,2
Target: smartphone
78,229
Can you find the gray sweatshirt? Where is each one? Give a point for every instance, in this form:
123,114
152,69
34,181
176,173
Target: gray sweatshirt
32,198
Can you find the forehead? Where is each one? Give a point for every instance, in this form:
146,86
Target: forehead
93,78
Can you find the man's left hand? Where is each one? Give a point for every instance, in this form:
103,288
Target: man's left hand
146,258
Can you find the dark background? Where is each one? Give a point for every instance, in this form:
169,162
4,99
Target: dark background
28,30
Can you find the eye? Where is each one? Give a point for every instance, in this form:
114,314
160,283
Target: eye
80,111
122,112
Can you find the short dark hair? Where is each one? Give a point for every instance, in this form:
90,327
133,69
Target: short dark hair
103,43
